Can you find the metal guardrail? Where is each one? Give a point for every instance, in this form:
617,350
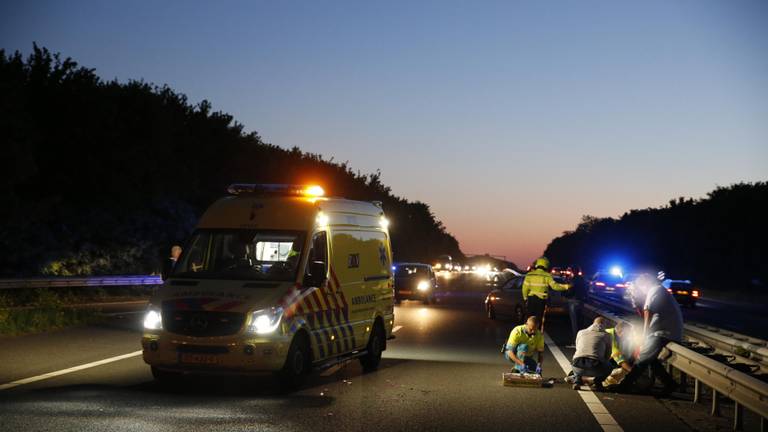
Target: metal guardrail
91,281
748,349
756,349
746,391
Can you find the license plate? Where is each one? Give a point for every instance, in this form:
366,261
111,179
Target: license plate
199,358
682,292
405,292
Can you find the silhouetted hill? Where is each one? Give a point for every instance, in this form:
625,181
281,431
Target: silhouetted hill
720,241
102,177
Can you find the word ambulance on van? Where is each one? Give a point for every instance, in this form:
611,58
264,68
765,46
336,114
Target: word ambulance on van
275,278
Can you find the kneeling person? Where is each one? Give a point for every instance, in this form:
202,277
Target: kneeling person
525,340
593,351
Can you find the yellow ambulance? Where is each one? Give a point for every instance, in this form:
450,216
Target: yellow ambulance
275,278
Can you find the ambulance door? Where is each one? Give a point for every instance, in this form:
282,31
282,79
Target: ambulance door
348,265
318,310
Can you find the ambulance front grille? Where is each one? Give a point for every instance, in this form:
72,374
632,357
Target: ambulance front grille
202,323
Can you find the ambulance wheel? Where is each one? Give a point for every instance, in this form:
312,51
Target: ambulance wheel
298,363
491,312
372,358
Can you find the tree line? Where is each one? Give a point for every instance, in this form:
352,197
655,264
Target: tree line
101,177
719,241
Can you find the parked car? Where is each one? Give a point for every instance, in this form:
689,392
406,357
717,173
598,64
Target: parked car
507,301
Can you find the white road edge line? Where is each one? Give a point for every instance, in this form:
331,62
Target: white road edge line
598,410
396,328
29,380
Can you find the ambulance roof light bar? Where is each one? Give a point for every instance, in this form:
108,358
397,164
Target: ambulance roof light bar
312,191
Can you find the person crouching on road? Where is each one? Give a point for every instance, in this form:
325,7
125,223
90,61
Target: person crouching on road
536,289
593,353
525,340
621,364
662,323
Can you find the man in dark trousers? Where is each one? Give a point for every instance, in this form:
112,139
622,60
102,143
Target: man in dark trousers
536,287
662,323
593,354
576,302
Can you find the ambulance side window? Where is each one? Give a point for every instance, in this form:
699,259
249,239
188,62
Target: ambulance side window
318,252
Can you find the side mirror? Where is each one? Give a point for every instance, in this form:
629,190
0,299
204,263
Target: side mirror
316,274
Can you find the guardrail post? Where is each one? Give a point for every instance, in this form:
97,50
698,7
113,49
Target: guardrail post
715,404
738,416
696,390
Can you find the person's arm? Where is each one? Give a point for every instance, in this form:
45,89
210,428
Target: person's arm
646,321
512,347
514,358
526,289
555,285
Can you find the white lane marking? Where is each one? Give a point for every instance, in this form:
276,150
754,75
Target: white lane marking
598,410
396,328
29,380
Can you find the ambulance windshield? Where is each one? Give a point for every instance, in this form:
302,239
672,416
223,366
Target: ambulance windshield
241,255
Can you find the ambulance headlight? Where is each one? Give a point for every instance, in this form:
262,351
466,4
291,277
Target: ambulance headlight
422,286
153,320
266,321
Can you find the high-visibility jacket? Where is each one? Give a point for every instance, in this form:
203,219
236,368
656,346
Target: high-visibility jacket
519,335
616,353
538,281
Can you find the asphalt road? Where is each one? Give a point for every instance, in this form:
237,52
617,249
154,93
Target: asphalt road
442,373
746,318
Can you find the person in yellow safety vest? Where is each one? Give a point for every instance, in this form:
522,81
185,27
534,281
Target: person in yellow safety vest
525,340
617,356
536,289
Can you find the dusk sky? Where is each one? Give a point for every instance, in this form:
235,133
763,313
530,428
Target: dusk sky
510,119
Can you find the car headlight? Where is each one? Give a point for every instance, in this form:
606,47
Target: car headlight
266,320
153,319
422,286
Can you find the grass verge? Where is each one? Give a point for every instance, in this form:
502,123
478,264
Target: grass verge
42,311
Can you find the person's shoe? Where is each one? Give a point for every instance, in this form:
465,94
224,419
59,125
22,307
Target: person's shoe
576,386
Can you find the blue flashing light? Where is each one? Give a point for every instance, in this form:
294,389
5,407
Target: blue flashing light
394,268
616,271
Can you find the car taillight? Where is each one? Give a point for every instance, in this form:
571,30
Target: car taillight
669,290
620,285
599,283
695,293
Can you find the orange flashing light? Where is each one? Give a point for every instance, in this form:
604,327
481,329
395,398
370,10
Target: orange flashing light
310,191
314,191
